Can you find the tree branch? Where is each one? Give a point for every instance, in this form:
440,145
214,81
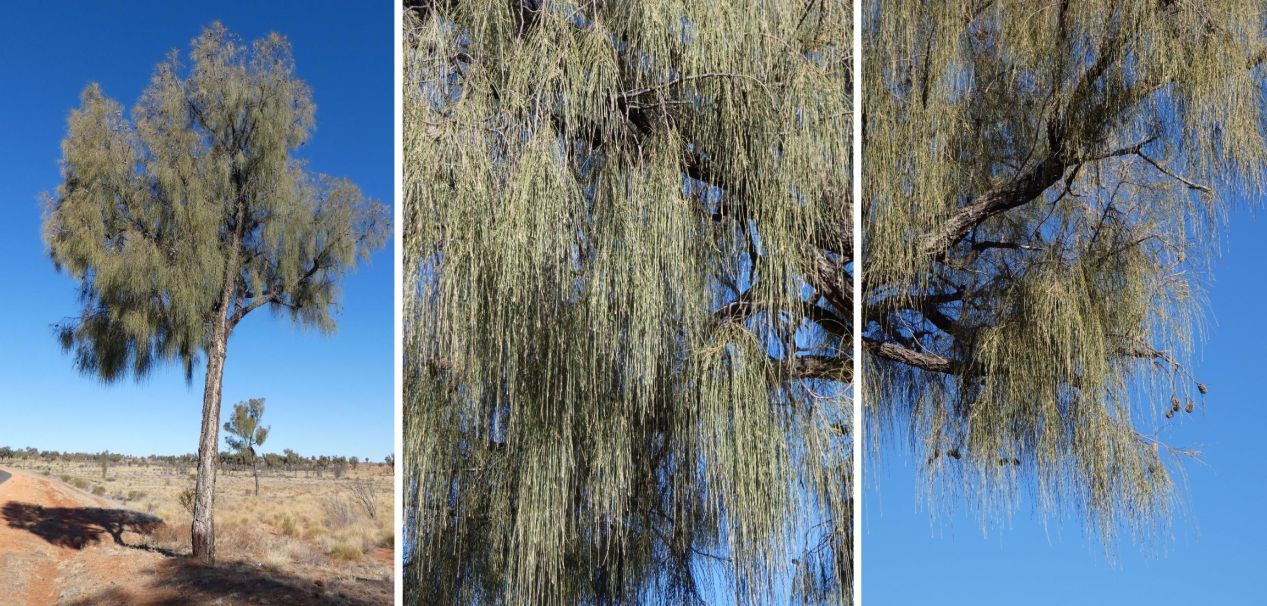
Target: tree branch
910,357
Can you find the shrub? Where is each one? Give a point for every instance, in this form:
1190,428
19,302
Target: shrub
186,498
387,538
343,551
289,528
363,493
98,490
340,512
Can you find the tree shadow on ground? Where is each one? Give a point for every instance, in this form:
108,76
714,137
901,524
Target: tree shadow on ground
78,527
181,581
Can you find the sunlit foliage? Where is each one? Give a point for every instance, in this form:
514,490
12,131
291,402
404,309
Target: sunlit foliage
1042,183
626,346
179,221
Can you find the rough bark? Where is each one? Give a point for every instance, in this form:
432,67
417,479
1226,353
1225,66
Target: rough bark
204,539
1018,193
910,357
203,527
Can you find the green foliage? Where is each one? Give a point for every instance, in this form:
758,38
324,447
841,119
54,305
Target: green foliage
1040,198
197,193
186,499
625,241
244,429
181,221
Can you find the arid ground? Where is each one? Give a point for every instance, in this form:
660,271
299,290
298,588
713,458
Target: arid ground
68,536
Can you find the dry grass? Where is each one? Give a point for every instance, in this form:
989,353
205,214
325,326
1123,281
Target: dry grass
300,524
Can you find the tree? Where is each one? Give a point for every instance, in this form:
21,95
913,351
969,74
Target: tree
245,433
292,458
626,346
322,463
104,458
273,460
184,219
1041,188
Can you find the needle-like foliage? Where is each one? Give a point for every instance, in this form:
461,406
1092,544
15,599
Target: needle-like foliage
1041,190
626,348
183,219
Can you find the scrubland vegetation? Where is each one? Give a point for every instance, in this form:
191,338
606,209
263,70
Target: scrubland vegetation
309,518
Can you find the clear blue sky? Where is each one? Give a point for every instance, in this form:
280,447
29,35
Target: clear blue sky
325,394
1215,554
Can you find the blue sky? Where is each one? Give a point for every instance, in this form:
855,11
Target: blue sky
325,394
1214,555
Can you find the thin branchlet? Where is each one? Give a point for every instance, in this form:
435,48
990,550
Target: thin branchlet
625,250
1043,182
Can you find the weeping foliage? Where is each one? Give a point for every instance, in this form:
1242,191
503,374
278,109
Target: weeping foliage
194,209
1040,198
625,244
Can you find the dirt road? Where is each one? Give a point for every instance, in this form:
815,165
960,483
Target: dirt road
58,543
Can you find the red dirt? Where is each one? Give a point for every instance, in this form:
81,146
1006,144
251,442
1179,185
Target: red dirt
32,565
60,545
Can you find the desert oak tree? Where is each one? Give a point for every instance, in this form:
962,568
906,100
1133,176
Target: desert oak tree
246,433
1041,188
627,363
183,219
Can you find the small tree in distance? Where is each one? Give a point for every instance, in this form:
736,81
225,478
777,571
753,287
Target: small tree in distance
245,433
182,220
105,458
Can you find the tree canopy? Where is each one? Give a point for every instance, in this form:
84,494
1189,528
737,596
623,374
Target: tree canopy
246,433
626,301
183,219
1042,184
154,211
244,429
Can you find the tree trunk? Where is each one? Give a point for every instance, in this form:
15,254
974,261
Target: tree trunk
204,538
255,470
203,527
